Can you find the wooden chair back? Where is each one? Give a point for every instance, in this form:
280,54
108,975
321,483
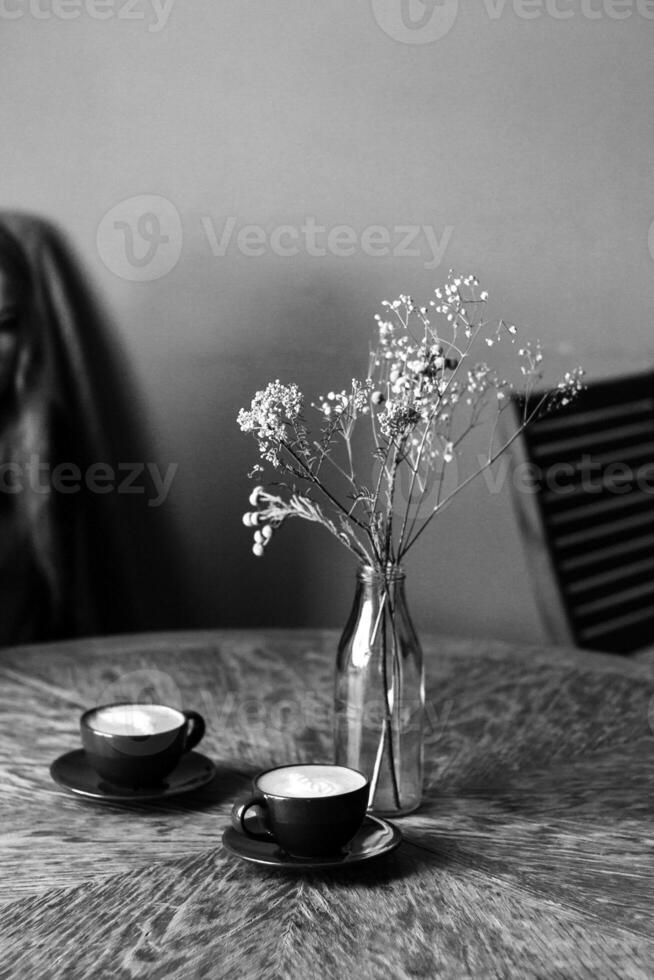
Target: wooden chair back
583,482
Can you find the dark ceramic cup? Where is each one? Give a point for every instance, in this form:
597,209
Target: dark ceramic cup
138,745
308,810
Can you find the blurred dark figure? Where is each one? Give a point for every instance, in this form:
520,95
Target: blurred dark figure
33,577
69,557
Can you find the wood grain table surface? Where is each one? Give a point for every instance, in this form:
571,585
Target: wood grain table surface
531,857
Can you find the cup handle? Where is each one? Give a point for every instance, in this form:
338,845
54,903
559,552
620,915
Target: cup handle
239,810
195,728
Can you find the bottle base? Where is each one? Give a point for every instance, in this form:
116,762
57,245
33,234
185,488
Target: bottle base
392,814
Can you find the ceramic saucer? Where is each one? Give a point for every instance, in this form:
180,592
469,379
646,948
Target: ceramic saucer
376,837
73,772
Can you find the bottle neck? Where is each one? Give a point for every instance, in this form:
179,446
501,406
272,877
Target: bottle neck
375,580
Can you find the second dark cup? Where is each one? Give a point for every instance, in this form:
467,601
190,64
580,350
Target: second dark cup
138,745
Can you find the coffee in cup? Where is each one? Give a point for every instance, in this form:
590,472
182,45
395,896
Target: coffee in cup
138,745
310,810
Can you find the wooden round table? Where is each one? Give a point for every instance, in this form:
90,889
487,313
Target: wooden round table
531,856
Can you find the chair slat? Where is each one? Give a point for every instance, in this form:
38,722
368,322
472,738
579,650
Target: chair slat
599,555
605,484
584,442
611,599
618,623
564,420
642,452
618,574
605,530
598,508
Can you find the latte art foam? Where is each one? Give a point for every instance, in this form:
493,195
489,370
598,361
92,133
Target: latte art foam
135,719
308,782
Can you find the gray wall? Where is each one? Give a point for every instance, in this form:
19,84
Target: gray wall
525,133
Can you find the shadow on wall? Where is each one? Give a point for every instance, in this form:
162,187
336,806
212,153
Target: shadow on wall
114,537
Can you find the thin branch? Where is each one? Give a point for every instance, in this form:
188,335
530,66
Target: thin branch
324,455
489,462
310,476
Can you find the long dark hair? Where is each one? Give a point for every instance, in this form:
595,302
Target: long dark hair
26,432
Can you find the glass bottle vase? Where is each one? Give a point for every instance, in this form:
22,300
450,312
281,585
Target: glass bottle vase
379,694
